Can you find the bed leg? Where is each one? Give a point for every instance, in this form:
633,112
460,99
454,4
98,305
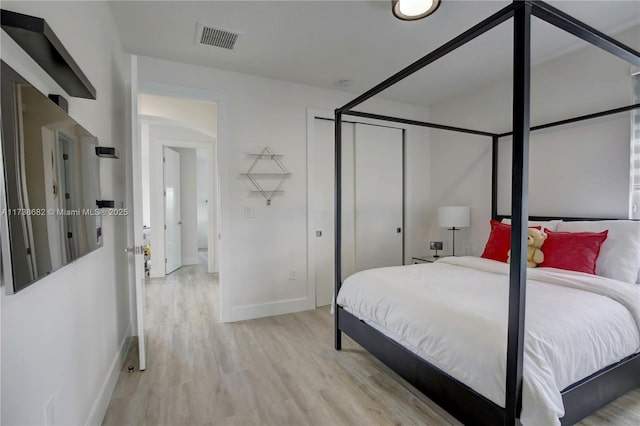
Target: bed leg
336,329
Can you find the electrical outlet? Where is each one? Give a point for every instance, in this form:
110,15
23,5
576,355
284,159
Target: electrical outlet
292,275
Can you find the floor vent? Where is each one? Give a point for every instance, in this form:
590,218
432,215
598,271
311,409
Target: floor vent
216,37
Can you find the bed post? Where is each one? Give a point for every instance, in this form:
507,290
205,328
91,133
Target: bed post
519,211
494,177
338,227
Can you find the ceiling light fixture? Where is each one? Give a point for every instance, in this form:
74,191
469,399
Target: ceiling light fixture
411,10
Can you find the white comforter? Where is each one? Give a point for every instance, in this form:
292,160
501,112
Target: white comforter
453,313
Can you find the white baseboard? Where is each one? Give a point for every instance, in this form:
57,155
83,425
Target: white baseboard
190,260
100,405
246,312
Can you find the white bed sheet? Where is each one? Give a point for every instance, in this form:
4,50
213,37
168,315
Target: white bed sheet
453,313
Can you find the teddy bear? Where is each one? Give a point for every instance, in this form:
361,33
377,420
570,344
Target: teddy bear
535,239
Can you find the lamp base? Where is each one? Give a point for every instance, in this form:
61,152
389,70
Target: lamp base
453,240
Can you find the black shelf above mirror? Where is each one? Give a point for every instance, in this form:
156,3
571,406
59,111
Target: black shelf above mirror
105,204
39,41
107,152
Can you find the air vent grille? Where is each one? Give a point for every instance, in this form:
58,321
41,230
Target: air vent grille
218,38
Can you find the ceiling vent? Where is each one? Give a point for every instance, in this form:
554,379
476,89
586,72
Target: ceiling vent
216,37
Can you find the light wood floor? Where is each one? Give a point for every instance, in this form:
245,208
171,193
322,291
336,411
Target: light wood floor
275,371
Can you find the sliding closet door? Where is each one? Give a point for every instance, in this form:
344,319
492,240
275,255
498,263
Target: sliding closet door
378,176
322,206
372,180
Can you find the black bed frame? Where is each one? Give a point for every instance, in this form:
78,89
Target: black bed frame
580,399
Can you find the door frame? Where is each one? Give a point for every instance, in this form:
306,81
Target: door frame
312,114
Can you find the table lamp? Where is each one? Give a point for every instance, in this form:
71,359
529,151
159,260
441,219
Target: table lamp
454,218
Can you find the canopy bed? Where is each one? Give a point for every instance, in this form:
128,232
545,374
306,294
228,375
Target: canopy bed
497,397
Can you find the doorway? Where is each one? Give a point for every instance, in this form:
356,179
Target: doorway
170,124
197,170
372,200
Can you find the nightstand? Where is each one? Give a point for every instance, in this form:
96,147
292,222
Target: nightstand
424,259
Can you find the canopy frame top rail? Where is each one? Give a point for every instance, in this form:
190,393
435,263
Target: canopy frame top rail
540,9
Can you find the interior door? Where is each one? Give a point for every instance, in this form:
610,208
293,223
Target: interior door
322,207
135,238
172,220
380,168
378,176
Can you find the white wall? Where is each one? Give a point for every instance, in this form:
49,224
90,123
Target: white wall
199,115
63,337
257,254
576,170
188,205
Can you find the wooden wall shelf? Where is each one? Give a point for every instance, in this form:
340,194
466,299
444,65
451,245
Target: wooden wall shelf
40,42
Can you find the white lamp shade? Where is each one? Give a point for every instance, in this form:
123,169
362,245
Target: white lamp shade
454,217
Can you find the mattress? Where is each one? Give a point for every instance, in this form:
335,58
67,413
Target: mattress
453,313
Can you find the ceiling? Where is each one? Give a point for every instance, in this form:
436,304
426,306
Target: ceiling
319,43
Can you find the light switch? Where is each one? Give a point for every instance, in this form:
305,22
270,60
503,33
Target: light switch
249,213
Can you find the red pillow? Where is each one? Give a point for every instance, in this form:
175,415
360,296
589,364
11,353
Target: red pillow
499,242
573,251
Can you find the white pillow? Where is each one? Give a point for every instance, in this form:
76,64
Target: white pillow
551,225
620,253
